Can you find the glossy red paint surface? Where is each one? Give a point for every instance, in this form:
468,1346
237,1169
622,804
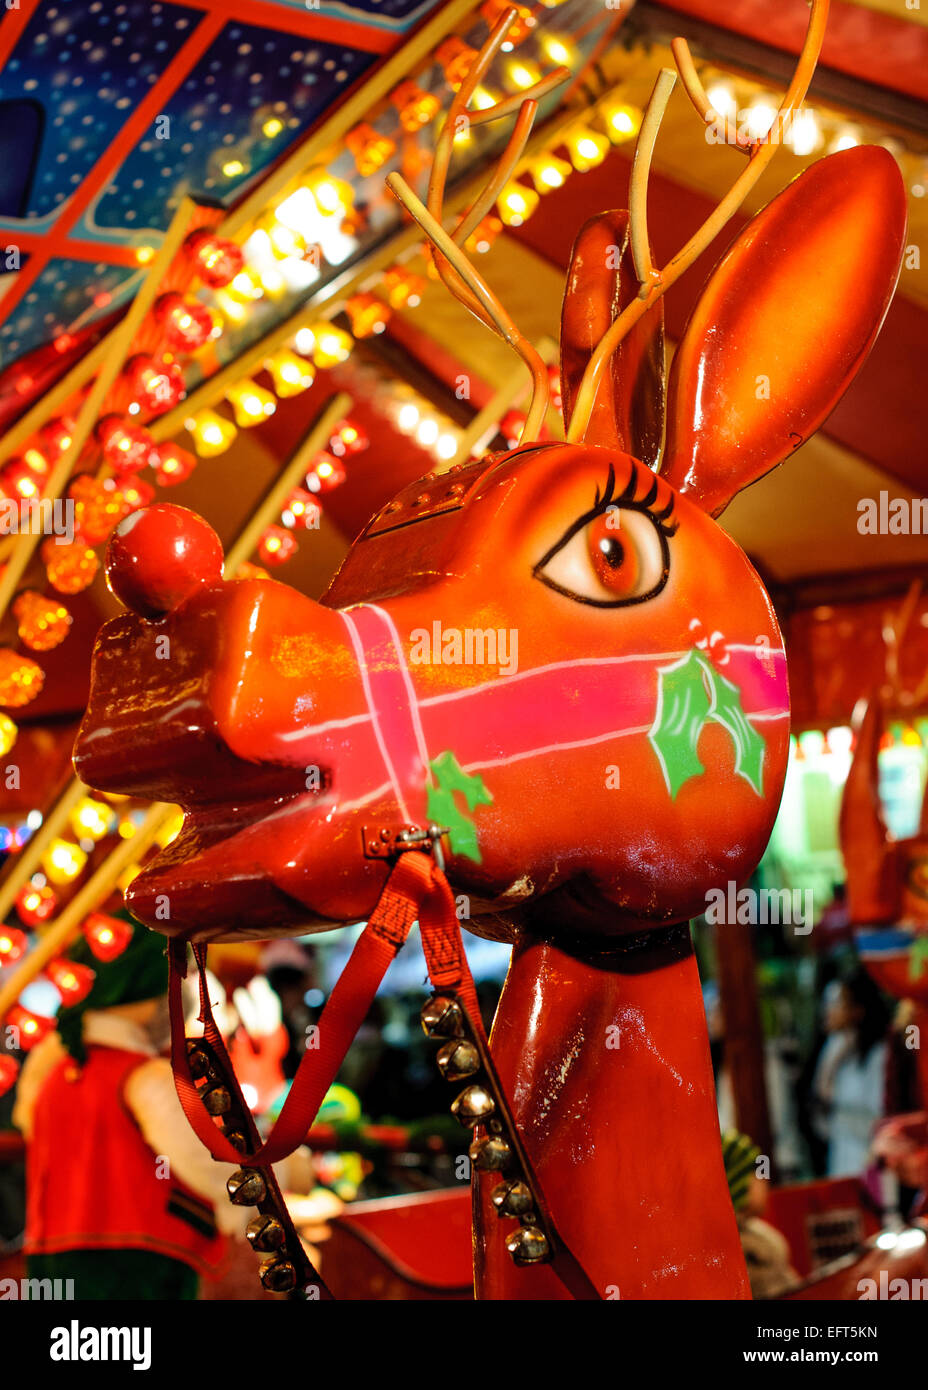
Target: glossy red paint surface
558,654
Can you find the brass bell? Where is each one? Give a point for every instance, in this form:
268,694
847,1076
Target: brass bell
278,1276
442,1018
473,1106
528,1246
491,1154
457,1060
237,1139
201,1064
513,1198
264,1232
246,1187
216,1099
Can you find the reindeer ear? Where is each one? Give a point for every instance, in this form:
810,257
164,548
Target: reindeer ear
629,407
785,321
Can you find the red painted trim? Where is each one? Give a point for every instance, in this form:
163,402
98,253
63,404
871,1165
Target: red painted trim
55,243
865,44
106,251
12,26
304,24
441,364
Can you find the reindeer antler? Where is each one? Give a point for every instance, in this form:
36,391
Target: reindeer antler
654,283
453,266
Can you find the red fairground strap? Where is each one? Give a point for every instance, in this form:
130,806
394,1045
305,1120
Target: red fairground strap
344,1012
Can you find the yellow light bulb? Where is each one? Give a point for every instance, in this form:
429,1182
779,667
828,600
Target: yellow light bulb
332,345
557,51
622,122
91,819
331,195
549,172
516,204
246,285
482,99
587,149
212,433
272,127
290,374
232,168
521,74
250,403
8,734
63,861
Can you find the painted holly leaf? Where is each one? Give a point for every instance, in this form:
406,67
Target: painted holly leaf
691,694
442,808
918,957
683,706
749,746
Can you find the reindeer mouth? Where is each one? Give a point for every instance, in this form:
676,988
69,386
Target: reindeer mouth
218,878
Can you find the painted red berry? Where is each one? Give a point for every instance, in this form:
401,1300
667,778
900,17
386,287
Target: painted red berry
157,556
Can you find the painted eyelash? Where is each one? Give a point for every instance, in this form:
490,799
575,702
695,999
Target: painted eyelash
661,519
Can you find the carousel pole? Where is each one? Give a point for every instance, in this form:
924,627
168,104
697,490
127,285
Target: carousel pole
28,860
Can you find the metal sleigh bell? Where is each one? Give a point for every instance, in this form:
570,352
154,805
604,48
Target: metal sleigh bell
459,1059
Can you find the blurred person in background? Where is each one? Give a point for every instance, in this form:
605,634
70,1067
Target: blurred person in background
849,1082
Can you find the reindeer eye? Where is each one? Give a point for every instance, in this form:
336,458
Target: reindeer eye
608,558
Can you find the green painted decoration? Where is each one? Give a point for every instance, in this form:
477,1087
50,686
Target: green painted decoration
442,808
691,694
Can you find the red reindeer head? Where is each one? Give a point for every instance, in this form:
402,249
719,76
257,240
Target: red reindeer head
556,655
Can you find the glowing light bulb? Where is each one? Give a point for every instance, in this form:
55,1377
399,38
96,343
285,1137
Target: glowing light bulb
456,59
408,417
721,98
557,50
804,133
846,139
8,734
91,819
370,149
428,432
277,545
622,122
367,314
332,345
759,118
587,149
446,446
332,196
21,680
272,127
516,204
42,623
32,1027
217,259
106,936
70,568
521,74
246,286
63,861
403,287
250,403
305,342
13,944
482,100
291,374
212,433
549,172
173,464
416,107
72,980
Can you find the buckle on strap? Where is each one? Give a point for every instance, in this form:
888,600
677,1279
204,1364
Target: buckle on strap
386,841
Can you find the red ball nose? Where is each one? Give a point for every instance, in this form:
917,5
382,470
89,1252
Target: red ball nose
159,555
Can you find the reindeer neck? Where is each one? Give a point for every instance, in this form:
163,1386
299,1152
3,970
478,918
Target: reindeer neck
606,1060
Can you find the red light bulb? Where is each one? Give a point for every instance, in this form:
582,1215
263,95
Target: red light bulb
9,1070
32,1027
157,385
35,905
13,943
172,464
106,936
217,260
327,473
277,545
187,323
126,448
72,980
